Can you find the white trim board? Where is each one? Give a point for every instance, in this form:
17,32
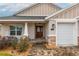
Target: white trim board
51,35
20,20
65,20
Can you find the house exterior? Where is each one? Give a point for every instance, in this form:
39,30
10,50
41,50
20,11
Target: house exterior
59,27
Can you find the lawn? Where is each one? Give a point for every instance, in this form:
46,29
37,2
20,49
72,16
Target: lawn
5,54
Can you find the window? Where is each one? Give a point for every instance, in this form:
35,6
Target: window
15,30
19,30
38,29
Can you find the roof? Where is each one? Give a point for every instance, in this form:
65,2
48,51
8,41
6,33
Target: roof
23,17
60,11
32,6
76,17
24,9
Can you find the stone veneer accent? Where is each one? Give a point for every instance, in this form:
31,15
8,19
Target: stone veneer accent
51,41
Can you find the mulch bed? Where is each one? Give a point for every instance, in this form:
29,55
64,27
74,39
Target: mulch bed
40,50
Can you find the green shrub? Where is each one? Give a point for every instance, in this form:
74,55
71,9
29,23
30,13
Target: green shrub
23,44
14,43
7,41
2,44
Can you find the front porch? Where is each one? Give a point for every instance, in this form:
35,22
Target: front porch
35,31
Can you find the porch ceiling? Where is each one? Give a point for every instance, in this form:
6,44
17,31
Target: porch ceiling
20,21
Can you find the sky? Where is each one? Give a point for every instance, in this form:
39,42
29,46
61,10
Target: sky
8,9
63,5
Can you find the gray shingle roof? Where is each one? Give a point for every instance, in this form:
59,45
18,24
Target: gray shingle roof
23,17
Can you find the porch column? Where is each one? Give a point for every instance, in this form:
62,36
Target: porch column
51,37
26,30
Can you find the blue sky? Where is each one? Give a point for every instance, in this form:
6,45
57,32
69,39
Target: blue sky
10,9
63,5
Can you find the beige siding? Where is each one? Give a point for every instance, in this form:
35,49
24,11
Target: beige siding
51,32
78,28
69,13
40,9
5,29
48,31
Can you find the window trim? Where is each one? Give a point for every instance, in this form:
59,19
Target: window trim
16,30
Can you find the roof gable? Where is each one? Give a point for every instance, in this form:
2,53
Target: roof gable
39,9
70,12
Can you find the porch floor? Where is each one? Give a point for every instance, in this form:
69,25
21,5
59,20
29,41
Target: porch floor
38,40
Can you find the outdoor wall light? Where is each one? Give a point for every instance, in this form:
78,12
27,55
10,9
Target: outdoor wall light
53,27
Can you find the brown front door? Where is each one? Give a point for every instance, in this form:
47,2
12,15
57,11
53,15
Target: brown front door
39,31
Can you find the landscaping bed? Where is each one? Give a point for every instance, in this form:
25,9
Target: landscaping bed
24,53
10,46
11,52
40,50
59,51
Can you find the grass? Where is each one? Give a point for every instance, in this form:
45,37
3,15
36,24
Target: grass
5,54
8,52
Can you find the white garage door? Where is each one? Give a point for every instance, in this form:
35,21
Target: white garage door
66,34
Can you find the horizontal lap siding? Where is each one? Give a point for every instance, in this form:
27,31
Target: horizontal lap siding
5,30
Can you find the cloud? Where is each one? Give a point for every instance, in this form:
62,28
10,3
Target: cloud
10,9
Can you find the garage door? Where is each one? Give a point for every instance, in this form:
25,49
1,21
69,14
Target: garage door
66,34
